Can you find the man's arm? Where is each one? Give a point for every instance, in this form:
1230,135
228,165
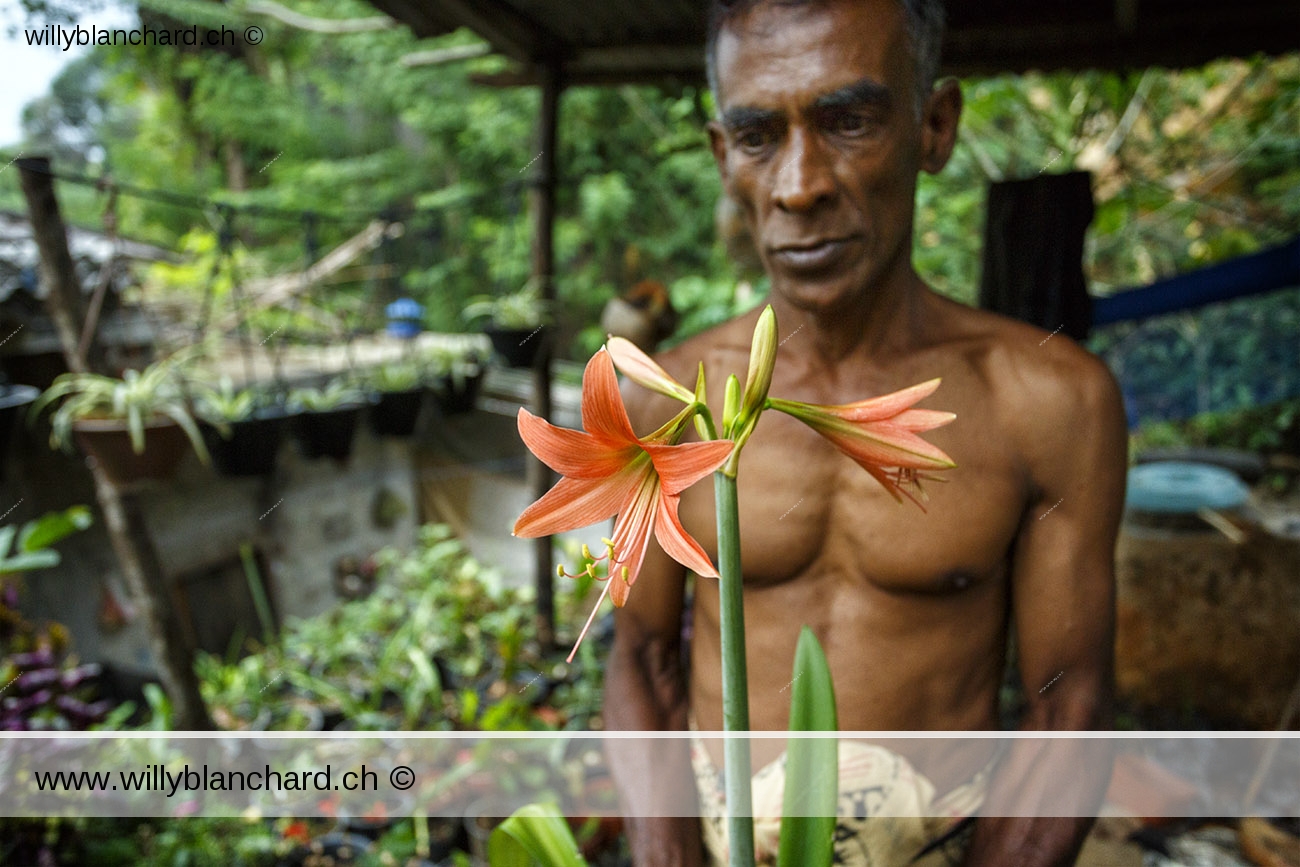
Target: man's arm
1063,602
645,690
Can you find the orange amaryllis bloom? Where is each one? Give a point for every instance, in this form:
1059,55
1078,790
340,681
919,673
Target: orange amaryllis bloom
608,470
880,434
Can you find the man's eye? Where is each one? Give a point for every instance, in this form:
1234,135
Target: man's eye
851,124
752,140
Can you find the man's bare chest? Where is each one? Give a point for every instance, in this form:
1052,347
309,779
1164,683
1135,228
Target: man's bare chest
809,512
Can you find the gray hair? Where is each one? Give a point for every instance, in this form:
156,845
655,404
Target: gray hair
925,22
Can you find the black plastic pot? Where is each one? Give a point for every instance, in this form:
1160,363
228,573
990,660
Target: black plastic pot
518,346
13,400
394,413
252,446
455,398
327,434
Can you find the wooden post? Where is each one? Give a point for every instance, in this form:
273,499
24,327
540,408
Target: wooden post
543,214
123,518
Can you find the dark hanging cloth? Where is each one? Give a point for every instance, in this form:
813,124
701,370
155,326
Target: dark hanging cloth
1033,252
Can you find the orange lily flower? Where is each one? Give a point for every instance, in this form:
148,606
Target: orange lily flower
608,470
880,435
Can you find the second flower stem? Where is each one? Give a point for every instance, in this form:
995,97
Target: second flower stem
735,683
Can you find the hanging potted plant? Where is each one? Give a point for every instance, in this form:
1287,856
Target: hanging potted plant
241,428
327,419
457,376
12,399
515,323
135,427
398,395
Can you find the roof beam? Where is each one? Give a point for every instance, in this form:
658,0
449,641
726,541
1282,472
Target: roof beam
509,32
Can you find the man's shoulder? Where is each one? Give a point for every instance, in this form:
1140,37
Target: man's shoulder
1023,363
1041,383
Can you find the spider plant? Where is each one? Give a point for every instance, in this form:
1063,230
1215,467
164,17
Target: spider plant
224,402
337,394
139,398
396,376
517,311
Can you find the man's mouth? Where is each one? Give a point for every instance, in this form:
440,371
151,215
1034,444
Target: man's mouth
814,255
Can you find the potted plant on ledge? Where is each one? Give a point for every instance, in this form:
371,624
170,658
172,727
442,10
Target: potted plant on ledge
242,429
457,376
398,397
515,323
327,420
135,427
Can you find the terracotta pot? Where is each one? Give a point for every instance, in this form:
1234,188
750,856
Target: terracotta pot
109,443
394,413
518,346
327,434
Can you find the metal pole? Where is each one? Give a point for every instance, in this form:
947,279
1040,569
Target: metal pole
543,213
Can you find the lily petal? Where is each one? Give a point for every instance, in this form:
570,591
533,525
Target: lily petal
679,544
644,370
886,446
885,406
603,413
683,465
923,419
575,503
572,453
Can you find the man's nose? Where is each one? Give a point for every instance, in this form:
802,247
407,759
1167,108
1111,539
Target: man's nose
803,176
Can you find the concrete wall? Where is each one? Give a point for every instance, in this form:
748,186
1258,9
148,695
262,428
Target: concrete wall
300,521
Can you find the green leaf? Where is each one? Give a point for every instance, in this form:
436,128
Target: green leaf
53,527
535,834
812,765
28,562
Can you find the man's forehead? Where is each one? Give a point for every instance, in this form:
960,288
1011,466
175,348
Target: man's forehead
774,49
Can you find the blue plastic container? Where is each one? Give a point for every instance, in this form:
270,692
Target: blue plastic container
1183,488
404,318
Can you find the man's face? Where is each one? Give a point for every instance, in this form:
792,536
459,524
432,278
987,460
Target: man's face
820,143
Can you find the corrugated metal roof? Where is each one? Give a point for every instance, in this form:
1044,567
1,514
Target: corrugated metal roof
607,41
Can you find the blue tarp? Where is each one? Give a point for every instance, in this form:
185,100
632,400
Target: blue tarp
1197,343
1275,268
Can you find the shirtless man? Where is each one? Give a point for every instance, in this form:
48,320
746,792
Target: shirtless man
827,112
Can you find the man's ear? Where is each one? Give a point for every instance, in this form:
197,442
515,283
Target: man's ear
939,125
718,144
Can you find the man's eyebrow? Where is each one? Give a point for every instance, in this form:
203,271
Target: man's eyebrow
860,93
745,116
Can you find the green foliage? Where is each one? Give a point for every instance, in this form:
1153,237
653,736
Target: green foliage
337,393
535,834
225,403
395,376
32,549
520,310
812,765
372,660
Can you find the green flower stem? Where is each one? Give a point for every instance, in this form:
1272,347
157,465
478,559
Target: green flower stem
735,683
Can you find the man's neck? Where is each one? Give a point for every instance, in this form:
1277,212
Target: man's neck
881,321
